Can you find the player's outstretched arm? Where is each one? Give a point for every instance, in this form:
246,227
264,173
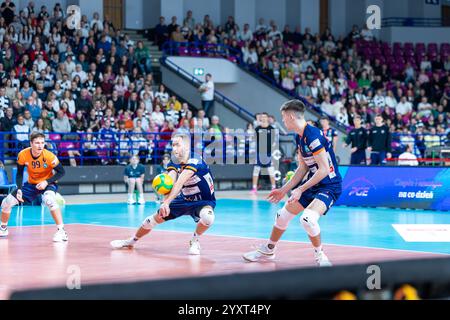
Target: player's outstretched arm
277,195
178,185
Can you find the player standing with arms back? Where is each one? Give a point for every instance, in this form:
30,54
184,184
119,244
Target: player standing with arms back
192,194
40,165
315,197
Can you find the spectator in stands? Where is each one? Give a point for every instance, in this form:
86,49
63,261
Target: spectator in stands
207,93
22,133
407,158
143,58
8,9
61,124
28,120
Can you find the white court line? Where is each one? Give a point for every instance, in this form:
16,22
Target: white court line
289,241
427,233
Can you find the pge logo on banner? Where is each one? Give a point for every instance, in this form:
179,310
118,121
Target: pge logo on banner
359,191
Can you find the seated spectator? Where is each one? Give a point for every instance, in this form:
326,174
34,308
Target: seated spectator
61,124
407,158
22,133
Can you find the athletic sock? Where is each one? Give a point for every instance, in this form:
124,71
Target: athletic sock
255,187
318,249
133,240
195,236
60,226
271,244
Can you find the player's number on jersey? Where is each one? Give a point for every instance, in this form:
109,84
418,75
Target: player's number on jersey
36,164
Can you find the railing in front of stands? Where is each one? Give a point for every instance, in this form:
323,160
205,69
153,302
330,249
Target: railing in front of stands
218,95
414,22
116,148
203,49
109,148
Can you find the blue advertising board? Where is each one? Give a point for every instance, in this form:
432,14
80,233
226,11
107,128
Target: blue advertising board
396,187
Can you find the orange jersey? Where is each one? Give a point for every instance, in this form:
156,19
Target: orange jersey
40,168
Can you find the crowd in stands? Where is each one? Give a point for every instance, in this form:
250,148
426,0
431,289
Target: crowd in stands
90,90
95,83
344,76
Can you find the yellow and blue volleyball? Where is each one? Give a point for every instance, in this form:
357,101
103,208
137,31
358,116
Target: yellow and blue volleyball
289,176
162,184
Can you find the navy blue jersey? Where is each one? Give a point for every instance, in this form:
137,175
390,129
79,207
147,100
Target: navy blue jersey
131,172
330,134
201,186
312,143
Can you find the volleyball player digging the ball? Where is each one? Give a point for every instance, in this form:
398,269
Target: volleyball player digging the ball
315,197
192,194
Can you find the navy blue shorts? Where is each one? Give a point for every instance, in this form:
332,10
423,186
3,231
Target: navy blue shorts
180,207
328,195
30,193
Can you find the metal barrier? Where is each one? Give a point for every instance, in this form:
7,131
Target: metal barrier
112,147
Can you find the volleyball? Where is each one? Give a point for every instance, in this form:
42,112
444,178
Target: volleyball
162,184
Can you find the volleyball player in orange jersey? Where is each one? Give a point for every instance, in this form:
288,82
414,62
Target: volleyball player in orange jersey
44,171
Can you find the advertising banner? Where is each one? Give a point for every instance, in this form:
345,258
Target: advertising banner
396,187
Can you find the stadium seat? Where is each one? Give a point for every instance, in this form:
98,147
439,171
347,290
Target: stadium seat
4,183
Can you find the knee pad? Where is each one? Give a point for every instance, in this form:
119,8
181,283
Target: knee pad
283,219
149,223
256,171
49,199
207,216
310,221
8,203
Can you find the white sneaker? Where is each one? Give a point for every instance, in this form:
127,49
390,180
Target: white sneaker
322,260
141,200
60,236
261,253
122,244
4,233
131,200
194,247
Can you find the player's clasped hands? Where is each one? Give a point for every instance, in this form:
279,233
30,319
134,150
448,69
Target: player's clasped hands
164,210
276,195
19,195
295,196
42,185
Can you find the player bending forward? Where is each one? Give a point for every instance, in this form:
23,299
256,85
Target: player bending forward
40,165
194,180
315,197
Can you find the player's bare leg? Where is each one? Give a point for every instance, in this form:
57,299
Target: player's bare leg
147,226
206,221
4,224
283,219
310,219
49,199
7,204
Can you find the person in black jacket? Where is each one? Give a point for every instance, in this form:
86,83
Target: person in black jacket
357,139
379,142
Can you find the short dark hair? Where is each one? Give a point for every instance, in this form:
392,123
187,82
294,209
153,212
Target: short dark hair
36,135
295,106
